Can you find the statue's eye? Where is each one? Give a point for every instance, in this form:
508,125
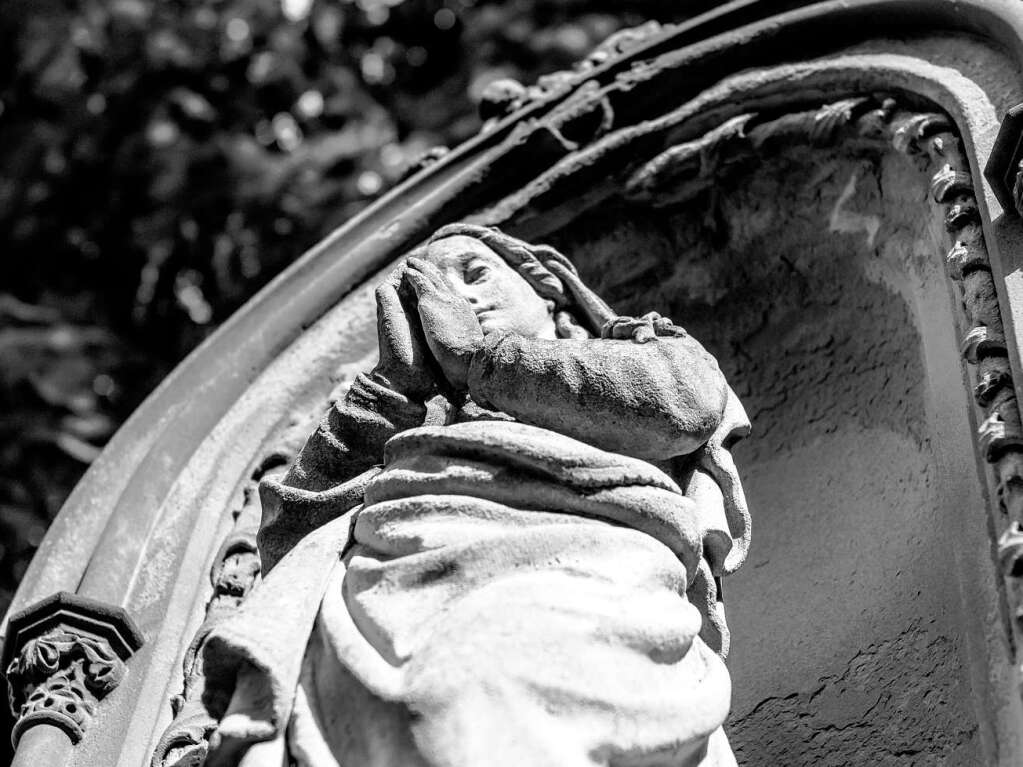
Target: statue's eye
476,273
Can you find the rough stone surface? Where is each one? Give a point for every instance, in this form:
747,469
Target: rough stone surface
815,268
896,702
815,277
500,546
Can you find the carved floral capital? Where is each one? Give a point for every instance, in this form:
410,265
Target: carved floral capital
62,656
59,678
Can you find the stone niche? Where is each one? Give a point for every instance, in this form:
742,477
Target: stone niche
802,191
814,274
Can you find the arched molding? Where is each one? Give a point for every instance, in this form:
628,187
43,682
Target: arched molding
166,430
142,529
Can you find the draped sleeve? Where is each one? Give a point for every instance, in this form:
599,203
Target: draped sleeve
330,472
649,400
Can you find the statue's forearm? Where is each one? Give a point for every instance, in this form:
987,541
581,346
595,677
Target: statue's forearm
651,400
330,473
351,436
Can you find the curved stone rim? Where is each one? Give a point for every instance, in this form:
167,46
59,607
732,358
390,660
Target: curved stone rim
136,472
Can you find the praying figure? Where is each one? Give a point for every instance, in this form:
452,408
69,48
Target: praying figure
503,547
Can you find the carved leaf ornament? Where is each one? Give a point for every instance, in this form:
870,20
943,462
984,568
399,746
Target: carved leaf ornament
59,677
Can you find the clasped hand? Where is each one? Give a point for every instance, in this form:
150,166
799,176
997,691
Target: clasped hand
424,324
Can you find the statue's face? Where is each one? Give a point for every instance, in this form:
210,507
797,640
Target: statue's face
499,295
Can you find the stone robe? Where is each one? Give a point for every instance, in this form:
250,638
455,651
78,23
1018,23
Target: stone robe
500,592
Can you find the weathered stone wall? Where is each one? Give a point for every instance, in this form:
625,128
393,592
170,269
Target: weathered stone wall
816,279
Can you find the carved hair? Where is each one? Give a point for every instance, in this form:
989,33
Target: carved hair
578,311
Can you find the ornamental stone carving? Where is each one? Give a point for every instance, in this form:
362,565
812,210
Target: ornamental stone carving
59,678
503,545
235,572
506,541
62,657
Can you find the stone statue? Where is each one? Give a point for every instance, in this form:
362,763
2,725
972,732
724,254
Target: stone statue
501,547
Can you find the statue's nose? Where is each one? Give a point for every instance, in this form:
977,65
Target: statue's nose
469,295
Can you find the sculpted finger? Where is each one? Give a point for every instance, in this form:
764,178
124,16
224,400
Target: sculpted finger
619,327
435,273
643,333
623,329
665,327
391,311
431,272
420,283
395,337
407,294
387,300
395,277
420,266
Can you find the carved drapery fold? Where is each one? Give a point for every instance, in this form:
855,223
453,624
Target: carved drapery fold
236,570
824,26
930,137
684,170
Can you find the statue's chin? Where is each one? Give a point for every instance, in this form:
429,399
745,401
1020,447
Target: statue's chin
491,324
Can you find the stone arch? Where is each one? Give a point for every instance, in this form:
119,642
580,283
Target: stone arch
141,531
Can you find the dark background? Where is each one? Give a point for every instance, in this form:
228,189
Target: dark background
161,160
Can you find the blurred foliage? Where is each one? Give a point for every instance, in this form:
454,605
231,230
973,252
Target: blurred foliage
161,160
